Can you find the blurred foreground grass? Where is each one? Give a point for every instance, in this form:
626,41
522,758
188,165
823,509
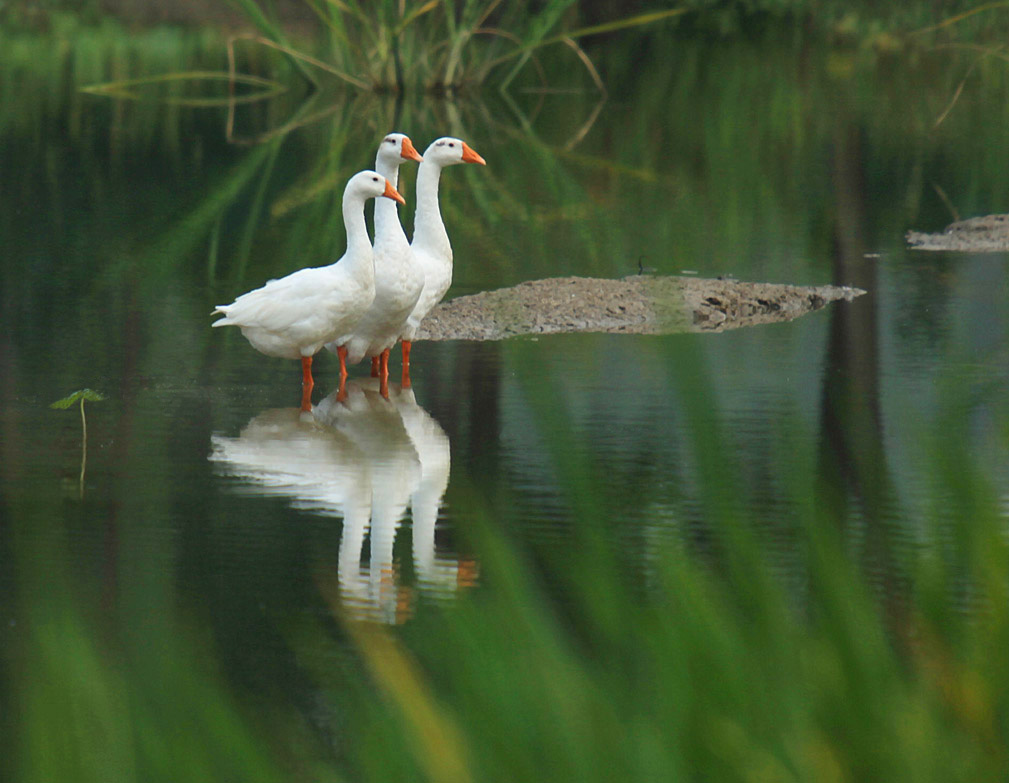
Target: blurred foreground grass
710,667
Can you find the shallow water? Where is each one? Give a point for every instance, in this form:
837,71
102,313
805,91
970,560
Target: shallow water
209,497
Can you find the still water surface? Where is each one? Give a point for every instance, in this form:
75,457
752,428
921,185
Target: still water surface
208,493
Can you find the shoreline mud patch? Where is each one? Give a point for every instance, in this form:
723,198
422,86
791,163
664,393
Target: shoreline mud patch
988,234
640,304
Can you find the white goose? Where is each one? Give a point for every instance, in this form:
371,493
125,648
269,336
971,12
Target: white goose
293,317
431,250
398,281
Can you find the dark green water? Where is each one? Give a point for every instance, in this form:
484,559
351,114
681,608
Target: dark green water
218,533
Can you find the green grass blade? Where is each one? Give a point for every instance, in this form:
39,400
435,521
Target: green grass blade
620,24
123,88
960,17
542,24
415,14
271,30
605,27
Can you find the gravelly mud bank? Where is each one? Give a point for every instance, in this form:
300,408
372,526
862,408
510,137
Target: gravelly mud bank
633,305
988,234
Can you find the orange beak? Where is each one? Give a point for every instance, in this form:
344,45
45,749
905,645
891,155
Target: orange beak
391,192
408,151
469,155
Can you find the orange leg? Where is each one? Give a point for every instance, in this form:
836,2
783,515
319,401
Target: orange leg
341,393
407,345
383,386
307,383
341,352
375,366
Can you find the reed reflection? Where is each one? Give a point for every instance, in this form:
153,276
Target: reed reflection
368,459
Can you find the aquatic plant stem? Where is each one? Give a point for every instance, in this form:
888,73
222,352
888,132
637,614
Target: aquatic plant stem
81,395
84,447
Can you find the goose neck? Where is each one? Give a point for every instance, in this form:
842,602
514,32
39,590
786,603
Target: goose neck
358,243
386,213
429,230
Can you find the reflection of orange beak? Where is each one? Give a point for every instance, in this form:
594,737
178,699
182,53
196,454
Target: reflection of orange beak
469,155
408,151
391,192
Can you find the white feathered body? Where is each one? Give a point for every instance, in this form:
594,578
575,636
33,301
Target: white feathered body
437,270
295,316
298,314
398,284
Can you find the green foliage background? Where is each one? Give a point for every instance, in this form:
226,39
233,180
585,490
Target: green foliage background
565,667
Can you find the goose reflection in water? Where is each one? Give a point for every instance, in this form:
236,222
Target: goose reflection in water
365,458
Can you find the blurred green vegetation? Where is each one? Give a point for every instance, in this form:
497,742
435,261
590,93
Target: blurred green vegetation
700,658
847,21
885,26
433,46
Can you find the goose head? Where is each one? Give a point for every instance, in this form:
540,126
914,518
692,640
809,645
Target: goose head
448,151
371,184
396,148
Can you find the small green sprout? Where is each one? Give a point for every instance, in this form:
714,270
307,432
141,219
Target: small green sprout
89,395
